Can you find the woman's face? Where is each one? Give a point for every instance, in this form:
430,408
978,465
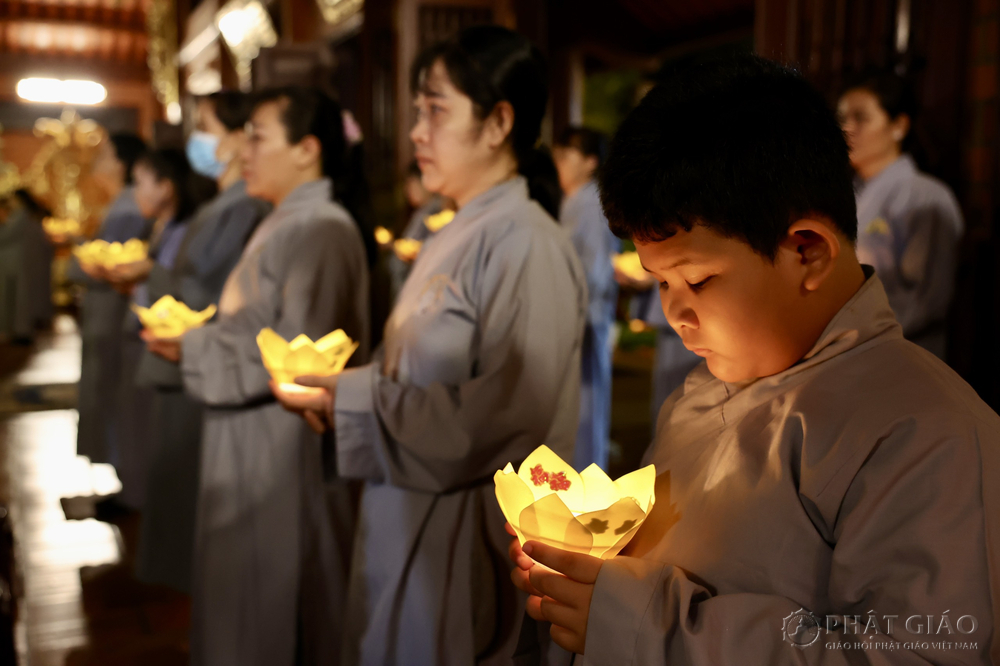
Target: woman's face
154,196
449,145
269,161
574,168
872,136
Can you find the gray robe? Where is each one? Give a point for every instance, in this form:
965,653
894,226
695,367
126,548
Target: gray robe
909,226
101,315
267,583
416,230
481,365
582,216
25,275
212,246
862,481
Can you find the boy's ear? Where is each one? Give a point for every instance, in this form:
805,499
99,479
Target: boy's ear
815,245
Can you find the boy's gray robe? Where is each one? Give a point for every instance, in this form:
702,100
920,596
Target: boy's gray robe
864,480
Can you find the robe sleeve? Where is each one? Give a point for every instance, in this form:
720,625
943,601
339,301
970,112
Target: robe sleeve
307,280
441,437
909,542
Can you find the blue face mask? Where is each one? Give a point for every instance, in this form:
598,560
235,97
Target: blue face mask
201,154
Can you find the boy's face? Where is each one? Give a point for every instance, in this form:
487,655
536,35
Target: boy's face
729,304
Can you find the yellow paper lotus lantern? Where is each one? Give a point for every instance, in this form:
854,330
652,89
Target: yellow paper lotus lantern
288,360
169,318
108,255
383,236
547,501
407,249
630,264
439,221
61,227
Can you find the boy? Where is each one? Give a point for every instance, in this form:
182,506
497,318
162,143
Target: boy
826,490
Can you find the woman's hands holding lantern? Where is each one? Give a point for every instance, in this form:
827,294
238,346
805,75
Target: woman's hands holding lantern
168,348
315,406
304,373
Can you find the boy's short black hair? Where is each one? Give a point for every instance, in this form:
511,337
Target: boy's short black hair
743,146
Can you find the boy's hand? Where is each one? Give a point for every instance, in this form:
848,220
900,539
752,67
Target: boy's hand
561,590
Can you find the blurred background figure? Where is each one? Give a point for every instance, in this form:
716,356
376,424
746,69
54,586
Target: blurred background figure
424,204
578,154
25,268
103,308
167,192
909,223
211,247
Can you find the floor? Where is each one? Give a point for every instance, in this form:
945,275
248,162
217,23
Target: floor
78,603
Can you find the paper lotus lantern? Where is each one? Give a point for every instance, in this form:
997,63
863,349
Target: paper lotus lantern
383,236
61,227
288,360
407,249
546,500
109,255
629,264
439,221
169,318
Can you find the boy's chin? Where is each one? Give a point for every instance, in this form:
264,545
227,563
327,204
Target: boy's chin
727,371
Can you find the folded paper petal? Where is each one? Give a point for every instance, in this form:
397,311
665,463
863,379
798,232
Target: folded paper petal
168,318
608,525
550,521
548,501
287,360
639,486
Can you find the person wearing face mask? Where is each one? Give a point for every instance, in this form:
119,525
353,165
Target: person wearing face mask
211,247
909,223
480,365
168,192
268,569
577,155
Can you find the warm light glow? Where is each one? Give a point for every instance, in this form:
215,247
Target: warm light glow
629,264
173,111
439,221
169,318
548,501
383,236
108,255
287,360
407,249
57,91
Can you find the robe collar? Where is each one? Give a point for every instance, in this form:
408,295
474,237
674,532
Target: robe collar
309,193
864,321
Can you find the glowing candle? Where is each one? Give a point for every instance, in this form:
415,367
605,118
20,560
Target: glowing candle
546,500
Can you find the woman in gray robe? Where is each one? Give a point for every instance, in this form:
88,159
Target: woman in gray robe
103,309
212,246
25,270
268,586
480,365
909,223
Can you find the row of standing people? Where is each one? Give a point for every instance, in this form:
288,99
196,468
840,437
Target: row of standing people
481,362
